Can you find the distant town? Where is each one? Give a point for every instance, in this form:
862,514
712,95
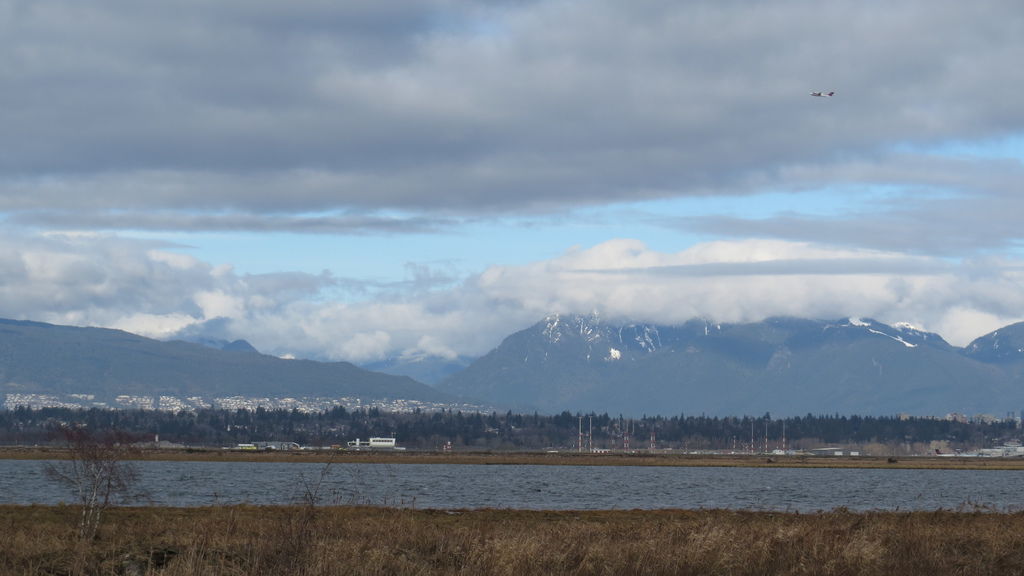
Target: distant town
176,404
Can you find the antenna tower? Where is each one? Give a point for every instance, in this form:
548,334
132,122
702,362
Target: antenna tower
579,442
783,435
766,436
590,435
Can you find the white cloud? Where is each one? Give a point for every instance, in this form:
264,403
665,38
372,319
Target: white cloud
160,326
429,346
143,291
177,261
218,304
362,345
962,325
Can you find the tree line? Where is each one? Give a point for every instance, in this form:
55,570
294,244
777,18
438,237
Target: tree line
508,431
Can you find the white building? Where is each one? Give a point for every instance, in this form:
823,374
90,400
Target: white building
373,443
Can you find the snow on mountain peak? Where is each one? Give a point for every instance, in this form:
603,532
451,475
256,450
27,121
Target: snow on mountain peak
907,326
904,327
896,338
551,331
556,327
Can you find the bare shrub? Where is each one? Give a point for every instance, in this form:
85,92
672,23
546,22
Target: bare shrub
97,470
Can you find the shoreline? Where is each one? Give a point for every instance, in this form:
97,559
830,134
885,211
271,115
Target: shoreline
539,458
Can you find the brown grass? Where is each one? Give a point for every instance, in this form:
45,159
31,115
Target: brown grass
367,540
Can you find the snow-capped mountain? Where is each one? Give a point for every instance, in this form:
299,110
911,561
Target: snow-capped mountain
604,341
1005,345
781,365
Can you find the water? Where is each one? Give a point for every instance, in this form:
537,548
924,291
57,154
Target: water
443,486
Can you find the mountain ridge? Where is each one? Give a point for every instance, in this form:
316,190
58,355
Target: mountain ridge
781,365
39,358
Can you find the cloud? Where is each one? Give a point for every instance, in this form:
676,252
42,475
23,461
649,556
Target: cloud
157,291
145,286
935,205
186,221
252,115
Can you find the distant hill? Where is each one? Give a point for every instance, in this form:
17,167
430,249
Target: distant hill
786,366
38,358
429,370
228,345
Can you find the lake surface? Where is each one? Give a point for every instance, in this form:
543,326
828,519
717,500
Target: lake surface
443,486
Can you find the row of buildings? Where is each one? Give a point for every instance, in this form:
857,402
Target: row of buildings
177,404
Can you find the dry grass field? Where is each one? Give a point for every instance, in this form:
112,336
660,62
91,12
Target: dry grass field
303,540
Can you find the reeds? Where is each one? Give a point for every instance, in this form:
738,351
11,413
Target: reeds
284,540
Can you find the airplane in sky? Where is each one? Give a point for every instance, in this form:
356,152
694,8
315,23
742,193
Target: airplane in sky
822,94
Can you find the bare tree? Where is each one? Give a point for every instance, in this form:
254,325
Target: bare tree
96,471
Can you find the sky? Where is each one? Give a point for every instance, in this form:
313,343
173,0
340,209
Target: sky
367,180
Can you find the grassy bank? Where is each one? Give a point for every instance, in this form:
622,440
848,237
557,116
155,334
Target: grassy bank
640,458
366,540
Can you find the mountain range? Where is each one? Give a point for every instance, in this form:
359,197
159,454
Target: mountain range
785,366
45,359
